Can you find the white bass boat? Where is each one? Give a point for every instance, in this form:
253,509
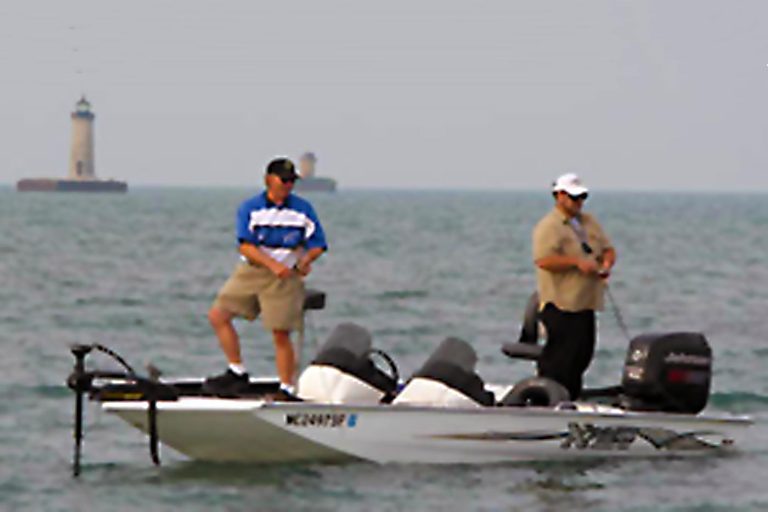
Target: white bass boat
349,408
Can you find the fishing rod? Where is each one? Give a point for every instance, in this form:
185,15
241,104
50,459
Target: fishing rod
617,312
582,236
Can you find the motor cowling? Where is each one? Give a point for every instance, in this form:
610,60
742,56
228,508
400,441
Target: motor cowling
668,372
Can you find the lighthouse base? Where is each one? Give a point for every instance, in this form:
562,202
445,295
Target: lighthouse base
55,185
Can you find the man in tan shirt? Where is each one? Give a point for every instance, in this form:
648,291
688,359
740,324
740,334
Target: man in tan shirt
573,257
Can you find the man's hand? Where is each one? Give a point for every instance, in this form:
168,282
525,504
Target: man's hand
304,267
587,266
280,270
609,260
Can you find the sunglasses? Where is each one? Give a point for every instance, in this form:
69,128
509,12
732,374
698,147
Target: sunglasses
288,180
580,197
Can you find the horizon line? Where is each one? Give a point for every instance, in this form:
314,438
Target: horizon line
375,188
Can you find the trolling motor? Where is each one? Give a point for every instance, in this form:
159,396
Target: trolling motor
150,388
128,385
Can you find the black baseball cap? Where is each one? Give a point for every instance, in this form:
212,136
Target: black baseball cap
283,168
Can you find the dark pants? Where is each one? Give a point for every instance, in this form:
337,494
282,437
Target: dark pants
569,348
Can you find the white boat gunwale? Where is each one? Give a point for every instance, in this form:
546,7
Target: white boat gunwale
203,404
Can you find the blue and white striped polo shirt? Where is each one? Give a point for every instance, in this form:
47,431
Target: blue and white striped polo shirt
283,231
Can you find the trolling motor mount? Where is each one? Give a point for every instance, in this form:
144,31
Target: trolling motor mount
81,382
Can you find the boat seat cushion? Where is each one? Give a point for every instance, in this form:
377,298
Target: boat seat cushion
328,384
426,392
361,368
454,376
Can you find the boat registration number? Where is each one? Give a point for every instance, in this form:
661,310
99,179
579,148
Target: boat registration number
321,420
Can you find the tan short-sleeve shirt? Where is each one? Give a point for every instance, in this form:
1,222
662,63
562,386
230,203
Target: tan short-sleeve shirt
569,290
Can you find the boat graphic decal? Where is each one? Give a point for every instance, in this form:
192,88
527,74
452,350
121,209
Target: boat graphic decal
504,436
322,420
586,436
670,440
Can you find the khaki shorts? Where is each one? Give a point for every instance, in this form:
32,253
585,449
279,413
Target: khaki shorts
253,290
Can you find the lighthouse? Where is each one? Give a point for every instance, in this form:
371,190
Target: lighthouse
82,172
81,165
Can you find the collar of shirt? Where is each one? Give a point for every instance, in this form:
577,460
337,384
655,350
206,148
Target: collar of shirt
272,204
564,218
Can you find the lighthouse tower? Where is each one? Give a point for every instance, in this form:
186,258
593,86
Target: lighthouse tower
81,165
82,175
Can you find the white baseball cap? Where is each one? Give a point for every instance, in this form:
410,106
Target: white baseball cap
570,184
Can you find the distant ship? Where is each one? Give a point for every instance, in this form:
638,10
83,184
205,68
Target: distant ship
82,176
314,184
309,182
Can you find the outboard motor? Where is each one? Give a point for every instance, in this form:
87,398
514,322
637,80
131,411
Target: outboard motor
668,372
447,379
343,372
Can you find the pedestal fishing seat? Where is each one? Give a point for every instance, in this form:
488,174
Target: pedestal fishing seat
343,372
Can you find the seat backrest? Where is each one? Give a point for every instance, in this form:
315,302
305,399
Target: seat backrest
451,372
348,338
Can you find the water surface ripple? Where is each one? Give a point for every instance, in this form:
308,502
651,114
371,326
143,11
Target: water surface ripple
137,272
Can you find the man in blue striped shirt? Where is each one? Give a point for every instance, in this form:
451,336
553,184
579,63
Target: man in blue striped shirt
279,236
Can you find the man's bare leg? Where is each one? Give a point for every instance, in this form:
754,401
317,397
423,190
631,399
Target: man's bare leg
284,358
221,321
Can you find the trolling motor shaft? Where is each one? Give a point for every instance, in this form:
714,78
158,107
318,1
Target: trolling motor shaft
80,382
151,395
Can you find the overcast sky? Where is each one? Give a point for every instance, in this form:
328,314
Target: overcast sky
662,95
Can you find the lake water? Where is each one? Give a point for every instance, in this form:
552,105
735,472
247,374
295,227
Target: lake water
137,272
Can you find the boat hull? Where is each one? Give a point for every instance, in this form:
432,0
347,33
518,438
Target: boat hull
315,184
257,431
